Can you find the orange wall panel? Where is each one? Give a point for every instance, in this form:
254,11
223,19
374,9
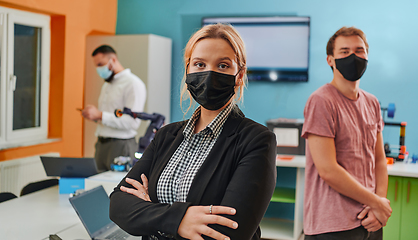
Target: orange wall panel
71,22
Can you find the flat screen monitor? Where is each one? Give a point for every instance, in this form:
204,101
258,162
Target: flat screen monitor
277,47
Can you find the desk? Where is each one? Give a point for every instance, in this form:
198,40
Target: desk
109,180
39,214
403,169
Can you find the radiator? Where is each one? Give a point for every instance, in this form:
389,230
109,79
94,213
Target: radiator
17,173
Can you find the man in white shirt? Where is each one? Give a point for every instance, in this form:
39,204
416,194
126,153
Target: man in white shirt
116,136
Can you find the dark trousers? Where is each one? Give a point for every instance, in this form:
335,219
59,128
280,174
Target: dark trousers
359,233
107,149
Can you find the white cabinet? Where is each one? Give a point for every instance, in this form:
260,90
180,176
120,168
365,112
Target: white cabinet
149,57
284,216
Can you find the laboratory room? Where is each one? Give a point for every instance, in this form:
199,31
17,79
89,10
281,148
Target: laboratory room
239,119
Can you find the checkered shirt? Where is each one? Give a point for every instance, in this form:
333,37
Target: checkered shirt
177,177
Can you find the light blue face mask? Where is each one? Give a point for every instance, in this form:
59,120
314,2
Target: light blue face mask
104,71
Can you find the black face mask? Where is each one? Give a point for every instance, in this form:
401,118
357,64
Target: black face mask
212,90
351,67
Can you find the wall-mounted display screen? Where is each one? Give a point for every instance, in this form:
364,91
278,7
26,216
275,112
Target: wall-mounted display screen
277,47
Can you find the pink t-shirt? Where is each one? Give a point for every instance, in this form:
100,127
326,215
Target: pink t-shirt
354,125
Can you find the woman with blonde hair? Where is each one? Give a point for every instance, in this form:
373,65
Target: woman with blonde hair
213,175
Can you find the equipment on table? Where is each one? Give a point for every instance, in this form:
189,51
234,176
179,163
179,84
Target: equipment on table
288,135
121,164
69,167
402,153
157,121
390,109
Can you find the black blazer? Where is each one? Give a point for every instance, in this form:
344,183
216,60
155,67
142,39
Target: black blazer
239,172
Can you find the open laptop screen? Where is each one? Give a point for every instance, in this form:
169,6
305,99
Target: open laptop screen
69,167
93,209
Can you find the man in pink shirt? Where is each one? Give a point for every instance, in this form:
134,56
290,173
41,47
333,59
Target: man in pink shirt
346,175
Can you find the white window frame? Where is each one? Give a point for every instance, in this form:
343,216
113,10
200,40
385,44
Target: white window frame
8,136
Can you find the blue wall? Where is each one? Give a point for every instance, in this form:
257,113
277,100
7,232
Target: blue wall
390,26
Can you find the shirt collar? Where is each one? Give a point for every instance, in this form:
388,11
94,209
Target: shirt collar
213,127
121,74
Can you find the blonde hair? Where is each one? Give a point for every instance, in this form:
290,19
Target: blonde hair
216,31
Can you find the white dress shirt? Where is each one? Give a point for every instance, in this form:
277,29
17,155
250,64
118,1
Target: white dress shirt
125,90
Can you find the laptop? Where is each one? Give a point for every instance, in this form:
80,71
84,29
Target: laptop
69,167
92,207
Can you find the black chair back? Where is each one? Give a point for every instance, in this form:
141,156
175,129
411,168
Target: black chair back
36,186
4,196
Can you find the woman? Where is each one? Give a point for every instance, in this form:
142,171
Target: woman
212,175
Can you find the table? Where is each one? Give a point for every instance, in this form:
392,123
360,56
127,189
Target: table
39,214
403,169
109,180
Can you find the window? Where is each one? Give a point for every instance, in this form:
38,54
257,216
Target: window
24,76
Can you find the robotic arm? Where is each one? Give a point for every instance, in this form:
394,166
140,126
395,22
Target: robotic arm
157,121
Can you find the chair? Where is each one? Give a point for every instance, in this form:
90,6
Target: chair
35,186
4,196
